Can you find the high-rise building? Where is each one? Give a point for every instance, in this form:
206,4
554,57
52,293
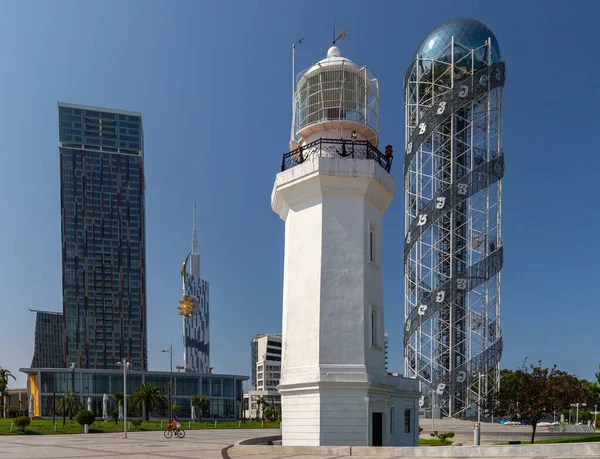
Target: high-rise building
266,351
196,345
103,236
48,348
453,169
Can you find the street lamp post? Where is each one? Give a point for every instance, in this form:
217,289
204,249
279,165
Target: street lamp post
170,351
595,414
479,401
124,365
432,410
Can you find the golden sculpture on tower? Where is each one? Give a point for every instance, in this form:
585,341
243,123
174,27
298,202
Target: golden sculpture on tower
188,305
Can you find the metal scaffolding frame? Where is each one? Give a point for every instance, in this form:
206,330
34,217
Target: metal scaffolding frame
453,250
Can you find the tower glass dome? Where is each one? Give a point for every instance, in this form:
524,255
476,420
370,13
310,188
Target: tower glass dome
468,32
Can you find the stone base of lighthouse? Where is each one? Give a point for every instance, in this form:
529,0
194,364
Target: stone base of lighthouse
334,385
335,412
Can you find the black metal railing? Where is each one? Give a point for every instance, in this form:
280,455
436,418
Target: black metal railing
333,148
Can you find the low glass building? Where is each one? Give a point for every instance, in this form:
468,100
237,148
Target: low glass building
46,386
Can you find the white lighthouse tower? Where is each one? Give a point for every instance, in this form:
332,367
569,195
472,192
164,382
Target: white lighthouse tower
332,191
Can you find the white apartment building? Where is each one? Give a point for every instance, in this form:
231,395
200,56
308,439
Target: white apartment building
266,372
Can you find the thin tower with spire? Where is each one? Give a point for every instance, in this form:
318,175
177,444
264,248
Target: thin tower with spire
196,346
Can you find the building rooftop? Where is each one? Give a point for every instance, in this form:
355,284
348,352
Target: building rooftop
99,109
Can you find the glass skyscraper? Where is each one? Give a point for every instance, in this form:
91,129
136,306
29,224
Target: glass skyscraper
103,236
196,345
48,349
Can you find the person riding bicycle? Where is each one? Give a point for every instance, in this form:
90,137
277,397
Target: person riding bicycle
177,424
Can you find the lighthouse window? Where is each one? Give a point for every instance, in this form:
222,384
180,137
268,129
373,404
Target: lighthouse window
372,247
374,327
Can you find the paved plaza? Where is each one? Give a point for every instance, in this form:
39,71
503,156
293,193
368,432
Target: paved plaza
205,444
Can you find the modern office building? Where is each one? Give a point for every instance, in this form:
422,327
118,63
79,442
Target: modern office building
48,347
266,372
196,345
453,251
224,391
265,353
103,236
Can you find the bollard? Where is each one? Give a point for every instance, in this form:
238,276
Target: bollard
55,426
12,426
262,422
189,425
477,434
215,423
86,428
240,424
161,425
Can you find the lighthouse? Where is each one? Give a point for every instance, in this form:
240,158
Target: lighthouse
332,191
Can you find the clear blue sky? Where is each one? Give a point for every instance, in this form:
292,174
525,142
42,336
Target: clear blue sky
212,81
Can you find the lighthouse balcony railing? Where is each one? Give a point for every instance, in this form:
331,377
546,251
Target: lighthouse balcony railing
335,148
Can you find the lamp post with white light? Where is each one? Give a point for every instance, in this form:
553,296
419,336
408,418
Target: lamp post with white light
170,351
124,365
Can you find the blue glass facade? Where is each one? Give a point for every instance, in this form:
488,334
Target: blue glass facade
48,348
103,237
224,391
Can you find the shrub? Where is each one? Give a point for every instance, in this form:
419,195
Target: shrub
114,414
136,423
21,422
85,417
443,437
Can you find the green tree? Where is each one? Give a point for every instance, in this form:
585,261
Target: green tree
118,398
267,413
534,392
148,397
201,403
175,410
68,405
4,375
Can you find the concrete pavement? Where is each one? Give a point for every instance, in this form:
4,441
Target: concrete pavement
217,444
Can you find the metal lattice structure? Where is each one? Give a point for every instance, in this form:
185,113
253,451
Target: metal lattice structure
453,250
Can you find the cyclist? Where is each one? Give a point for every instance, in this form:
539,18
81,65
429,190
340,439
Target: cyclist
177,424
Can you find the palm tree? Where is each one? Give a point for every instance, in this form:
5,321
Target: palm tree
118,398
68,405
195,402
147,396
261,403
204,404
4,374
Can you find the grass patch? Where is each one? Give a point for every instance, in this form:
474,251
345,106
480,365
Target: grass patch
429,442
45,427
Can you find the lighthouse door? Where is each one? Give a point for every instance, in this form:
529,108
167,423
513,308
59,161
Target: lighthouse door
377,426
